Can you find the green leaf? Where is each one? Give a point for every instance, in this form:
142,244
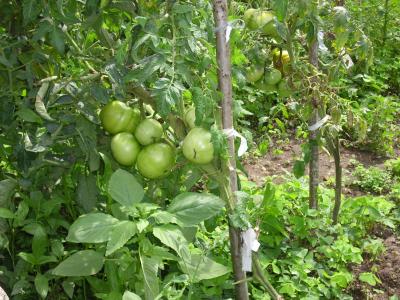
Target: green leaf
39,241
369,278
68,287
145,68
193,208
7,187
150,276
28,115
269,194
288,288
42,285
341,279
201,267
299,168
130,296
121,234
87,192
82,263
57,40
124,188
92,228
5,213
30,10
280,8
171,236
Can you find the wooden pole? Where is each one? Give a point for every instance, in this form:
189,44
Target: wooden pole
313,139
225,87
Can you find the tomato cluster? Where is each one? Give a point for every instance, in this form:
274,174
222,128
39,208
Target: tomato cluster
271,78
140,142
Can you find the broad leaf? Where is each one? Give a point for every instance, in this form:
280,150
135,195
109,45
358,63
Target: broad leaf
57,40
122,232
42,285
7,187
299,168
171,236
92,228
124,188
193,208
150,276
87,192
82,263
5,213
130,296
369,278
201,267
30,10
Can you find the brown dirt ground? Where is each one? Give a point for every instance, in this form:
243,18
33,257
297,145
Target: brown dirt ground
279,165
388,264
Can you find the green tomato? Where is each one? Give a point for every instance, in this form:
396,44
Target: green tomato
148,132
125,148
190,117
248,18
283,89
263,18
156,160
197,146
117,117
254,74
272,77
268,88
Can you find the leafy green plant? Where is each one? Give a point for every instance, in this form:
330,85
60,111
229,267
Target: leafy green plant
372,179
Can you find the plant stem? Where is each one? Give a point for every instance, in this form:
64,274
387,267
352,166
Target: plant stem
338,182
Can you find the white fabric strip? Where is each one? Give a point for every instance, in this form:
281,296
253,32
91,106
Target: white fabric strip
231,132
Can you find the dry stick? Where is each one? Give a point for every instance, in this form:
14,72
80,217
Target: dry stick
313,139
225,86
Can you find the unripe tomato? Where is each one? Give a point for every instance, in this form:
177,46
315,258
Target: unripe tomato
148,132
125,148
266,87
117,117
283,89
248,18
190,117
197,146
272,76
156,160
262,18
254,74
